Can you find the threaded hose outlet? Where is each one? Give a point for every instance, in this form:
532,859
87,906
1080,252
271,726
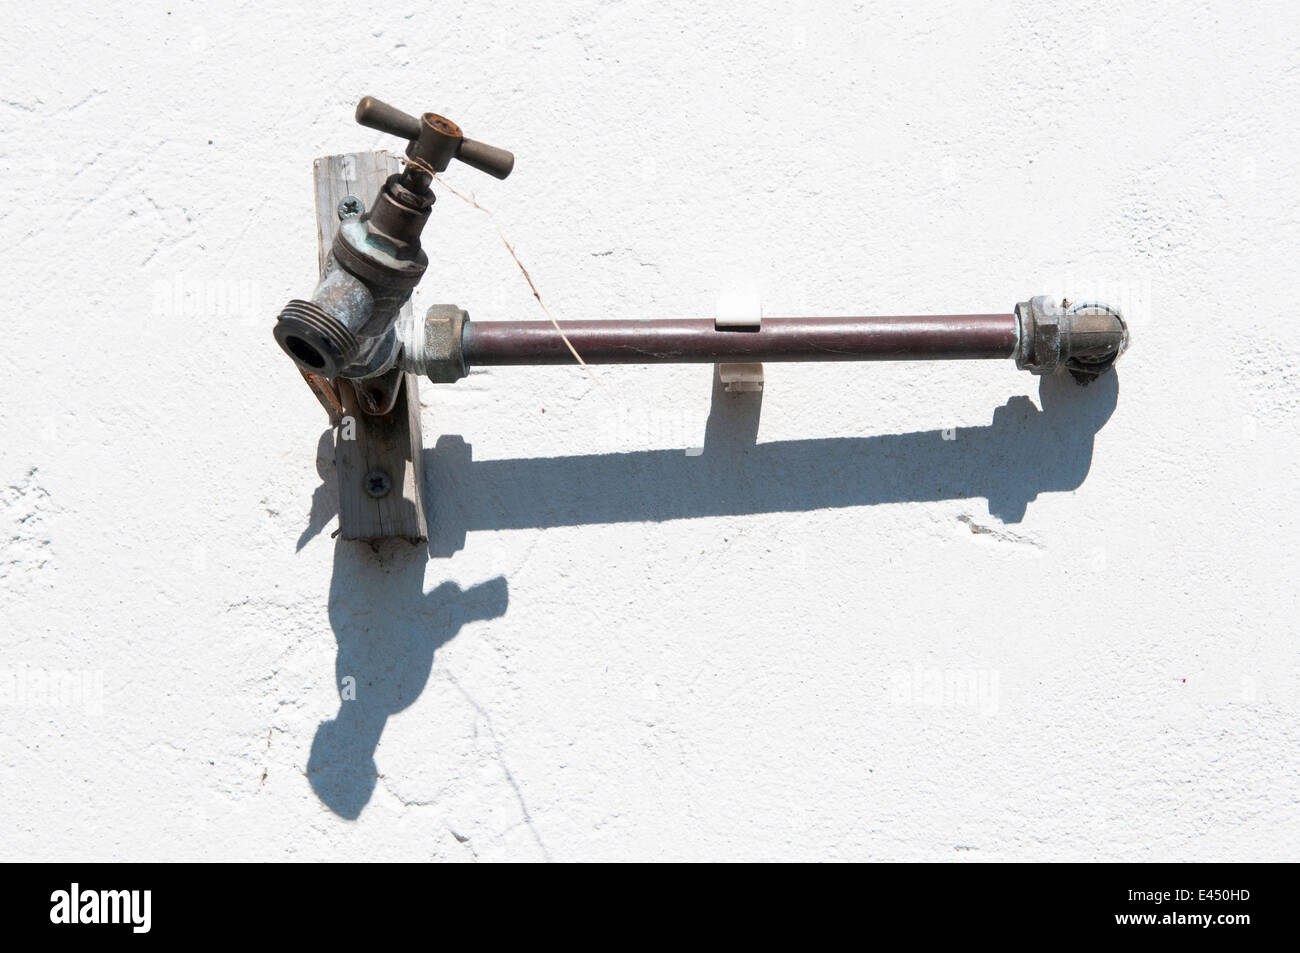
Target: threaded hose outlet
317,342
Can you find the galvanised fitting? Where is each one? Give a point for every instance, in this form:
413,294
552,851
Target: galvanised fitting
1085,338
346,329
340,331
433,347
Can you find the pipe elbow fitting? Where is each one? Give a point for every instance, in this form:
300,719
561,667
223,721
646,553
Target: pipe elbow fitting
1085,338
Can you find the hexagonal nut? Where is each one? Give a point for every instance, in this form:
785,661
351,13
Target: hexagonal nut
1041,321
444,358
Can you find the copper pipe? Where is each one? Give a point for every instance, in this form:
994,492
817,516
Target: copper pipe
696,340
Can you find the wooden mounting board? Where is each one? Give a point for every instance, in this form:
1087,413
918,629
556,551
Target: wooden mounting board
363,443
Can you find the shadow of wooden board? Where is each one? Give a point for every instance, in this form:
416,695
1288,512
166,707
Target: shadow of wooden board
363,443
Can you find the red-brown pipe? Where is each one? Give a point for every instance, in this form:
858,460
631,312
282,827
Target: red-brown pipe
696,340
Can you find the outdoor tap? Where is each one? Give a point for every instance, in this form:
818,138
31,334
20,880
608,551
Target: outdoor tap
348,326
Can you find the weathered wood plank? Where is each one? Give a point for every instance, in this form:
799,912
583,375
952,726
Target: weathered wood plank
363,444
389,444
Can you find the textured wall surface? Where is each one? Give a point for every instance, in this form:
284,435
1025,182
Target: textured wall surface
1068,633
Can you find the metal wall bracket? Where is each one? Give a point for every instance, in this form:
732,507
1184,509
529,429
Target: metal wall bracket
742,313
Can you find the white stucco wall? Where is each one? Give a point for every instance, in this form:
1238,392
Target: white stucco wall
1113,570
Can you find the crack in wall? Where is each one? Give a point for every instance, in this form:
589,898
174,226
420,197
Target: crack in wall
1002,535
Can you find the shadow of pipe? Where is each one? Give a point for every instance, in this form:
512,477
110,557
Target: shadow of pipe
388,627
1025,451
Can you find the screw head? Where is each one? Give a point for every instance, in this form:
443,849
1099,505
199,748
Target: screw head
350,207
377,484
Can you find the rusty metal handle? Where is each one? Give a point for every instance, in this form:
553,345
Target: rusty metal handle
434,140
479,155
379,115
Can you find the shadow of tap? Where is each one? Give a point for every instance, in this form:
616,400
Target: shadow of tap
325,498
388,629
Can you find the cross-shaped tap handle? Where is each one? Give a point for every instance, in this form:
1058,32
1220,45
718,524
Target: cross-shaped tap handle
434,140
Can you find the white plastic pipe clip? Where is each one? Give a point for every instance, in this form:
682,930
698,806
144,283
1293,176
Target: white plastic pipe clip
741,312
